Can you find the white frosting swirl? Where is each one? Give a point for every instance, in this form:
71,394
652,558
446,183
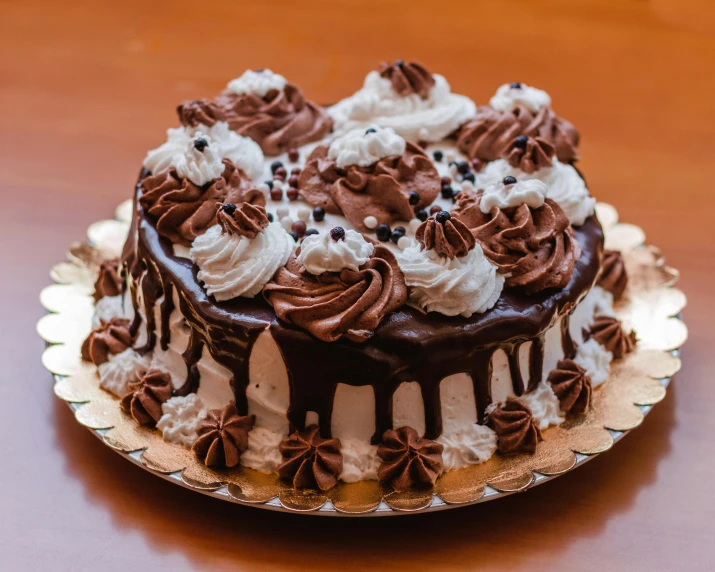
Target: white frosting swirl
321,253
201,166
360,461
563,185
107,308
258,82
508,97
544,405
412,117
595,359
123,368
263,454
181,418
530,191
451,286
472,445
365,147
233,265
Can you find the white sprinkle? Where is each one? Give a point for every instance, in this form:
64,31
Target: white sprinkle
304,214
450,156
467,186
287,222
423,133
264,188
282,211
453,170
370,222
414,225
404,242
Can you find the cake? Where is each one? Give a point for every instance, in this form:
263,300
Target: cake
395,286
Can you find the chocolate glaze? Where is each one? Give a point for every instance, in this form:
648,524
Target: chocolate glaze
408,346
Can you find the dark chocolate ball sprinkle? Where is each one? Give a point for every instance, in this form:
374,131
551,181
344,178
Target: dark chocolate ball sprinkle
442,217
422,215
447,192
294,235
445,181
463,167
438,156
337,233
318,214
298,227
269,183
259,70
371,130
293,155
469,177
399,230
269,216
414,198
509,180
395,236
383,232
311,231
275,166
521,141
434,209
455,195
200,144
515,85
400,63
228,208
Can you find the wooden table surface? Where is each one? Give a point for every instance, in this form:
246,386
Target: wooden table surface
87,87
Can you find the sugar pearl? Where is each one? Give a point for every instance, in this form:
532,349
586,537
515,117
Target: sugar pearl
467,186
404,242
287,223
282,211
414,225
304,214
264,188
370,222
450,156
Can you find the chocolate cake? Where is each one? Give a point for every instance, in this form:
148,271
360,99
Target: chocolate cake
399,285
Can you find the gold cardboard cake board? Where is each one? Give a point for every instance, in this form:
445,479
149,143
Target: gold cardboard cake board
651,307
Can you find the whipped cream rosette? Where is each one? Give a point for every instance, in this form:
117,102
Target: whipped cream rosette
405,97
264,106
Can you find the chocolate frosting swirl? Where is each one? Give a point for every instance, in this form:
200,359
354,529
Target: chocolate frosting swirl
450,238
279,121
529,154
517,430
311,461
408,78
381,190
613,276
112,337
183,210
146,394
535,249
488,135
571,385
335,304
409,460
109,282
223,436
246,220
610,334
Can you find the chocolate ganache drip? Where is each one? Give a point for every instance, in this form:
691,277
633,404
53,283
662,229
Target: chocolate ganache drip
408,78
278,121
445,235
333,305
183,210
535,249
246,220
112,337
488,135
311,461
613,277
381,190
109,282
409,460
529,154
516,428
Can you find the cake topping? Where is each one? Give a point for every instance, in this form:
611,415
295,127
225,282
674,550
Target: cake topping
446,236
613,277
534,248
511,95
408,78
200,144
240,254
146,394
571,385
334,251
365,148
381,190
311,461
266,108
513,193
109,282
418,106
112,337
517,430
488,135
610,334
247,220
223,436
529,154
331,305
409,460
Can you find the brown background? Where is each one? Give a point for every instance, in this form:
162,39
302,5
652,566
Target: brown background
87,88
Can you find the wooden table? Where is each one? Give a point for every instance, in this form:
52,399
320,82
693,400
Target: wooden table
88,87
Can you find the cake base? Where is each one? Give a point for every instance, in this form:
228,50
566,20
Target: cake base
636,383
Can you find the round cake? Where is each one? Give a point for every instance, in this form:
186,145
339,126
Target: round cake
399,285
